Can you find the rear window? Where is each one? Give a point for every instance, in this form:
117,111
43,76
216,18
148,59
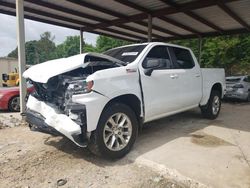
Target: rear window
183,58
126,54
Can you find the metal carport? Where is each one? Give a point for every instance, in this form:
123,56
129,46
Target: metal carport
132,20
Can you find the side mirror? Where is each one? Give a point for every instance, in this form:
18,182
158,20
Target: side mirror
150,64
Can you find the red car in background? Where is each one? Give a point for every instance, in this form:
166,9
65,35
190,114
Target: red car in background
9,97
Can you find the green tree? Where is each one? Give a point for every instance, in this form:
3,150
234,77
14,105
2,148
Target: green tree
38,51
89,48
69,47
32,56
104,43
229,52
45,47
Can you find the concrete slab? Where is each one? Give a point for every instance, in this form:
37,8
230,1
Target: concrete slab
213,152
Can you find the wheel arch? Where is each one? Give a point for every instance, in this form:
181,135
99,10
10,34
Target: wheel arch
132,101
207,92
217,87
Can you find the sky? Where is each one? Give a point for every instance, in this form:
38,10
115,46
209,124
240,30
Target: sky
33,30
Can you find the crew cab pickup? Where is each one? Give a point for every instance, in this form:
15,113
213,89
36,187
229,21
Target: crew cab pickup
102,100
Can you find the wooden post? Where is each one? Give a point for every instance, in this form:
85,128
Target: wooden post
81,41
149,28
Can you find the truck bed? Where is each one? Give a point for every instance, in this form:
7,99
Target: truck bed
210,76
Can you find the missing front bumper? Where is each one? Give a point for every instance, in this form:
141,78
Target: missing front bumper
44,118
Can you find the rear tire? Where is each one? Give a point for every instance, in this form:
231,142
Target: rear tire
212,109
116,132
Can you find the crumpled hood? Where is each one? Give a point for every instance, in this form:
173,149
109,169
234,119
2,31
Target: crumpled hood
44,71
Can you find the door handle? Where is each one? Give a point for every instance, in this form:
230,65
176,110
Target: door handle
173,76
197,75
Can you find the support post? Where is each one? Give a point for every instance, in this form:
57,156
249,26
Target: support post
81,40
21,53
200,50
149,28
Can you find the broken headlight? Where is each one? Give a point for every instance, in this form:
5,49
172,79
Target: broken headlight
80,87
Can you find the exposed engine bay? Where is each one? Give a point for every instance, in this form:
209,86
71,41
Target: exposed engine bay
59,89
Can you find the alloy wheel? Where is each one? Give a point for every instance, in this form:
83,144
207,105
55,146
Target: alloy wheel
117,132
216,105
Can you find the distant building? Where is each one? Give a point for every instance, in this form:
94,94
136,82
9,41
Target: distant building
7,65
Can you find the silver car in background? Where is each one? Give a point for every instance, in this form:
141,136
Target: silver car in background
238,87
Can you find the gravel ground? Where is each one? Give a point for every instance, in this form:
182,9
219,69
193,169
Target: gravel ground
32,159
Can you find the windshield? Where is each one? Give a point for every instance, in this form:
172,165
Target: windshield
126,54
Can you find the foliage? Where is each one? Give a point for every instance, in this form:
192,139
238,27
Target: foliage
229,52
71,46
38,51
45,49
104,43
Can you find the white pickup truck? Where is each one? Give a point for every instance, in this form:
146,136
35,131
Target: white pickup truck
101,100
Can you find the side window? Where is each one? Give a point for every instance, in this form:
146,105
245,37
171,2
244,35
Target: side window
161,53
183,58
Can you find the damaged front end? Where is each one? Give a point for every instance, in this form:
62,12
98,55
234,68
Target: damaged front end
50,109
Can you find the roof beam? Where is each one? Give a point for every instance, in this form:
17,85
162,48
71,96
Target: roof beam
143,9
65,10
168,20
70,20
192,15
232,14
97,8
132,18
64,25
163,30
133,5
89,27
180,25
213,34
112,13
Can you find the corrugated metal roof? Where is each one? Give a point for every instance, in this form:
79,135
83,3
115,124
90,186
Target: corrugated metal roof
127,19
216,15
242,8
149,4
189,21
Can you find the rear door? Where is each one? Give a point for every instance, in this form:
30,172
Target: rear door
188,77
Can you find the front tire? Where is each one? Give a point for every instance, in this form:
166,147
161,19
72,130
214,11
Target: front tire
116,132
212,109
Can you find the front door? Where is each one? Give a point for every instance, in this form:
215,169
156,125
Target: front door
161,89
